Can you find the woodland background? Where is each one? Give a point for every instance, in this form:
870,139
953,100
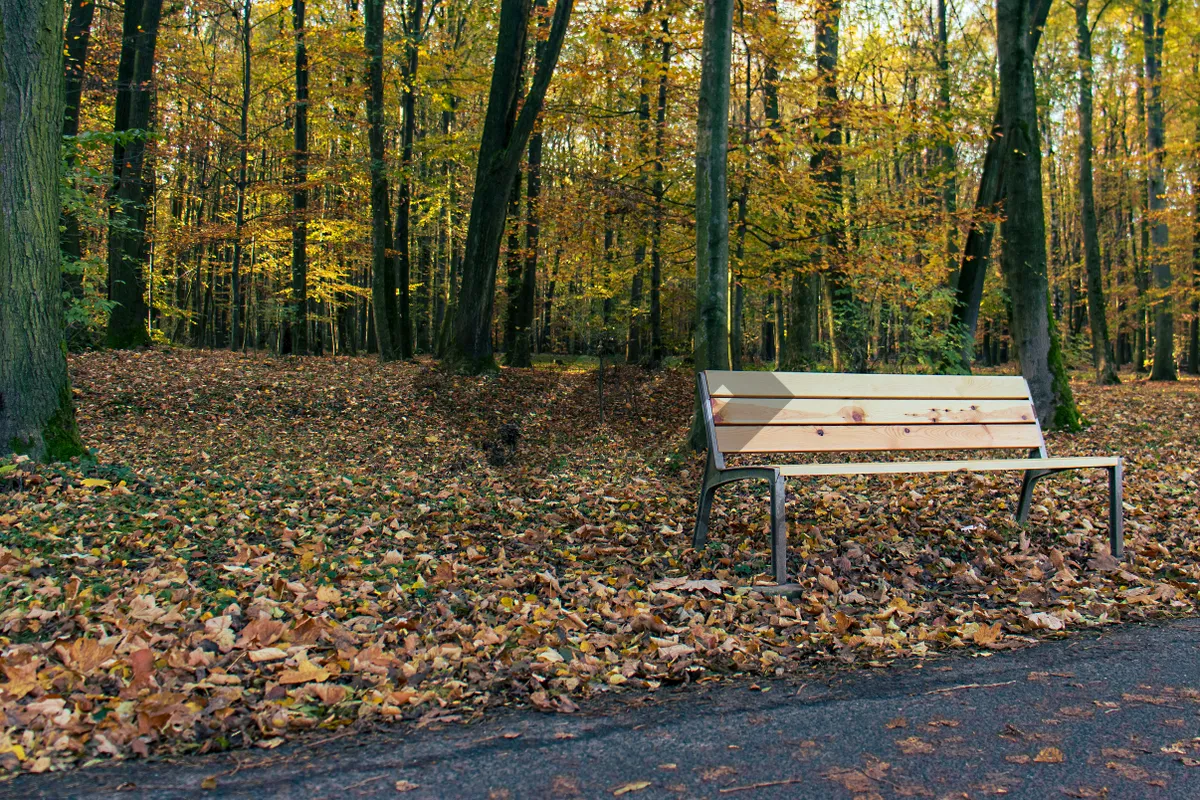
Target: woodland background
256,121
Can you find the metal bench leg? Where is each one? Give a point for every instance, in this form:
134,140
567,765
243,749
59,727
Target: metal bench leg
778,529
1032,476
702,514
1116,516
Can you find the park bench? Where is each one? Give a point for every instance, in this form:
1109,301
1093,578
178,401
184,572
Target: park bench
800,412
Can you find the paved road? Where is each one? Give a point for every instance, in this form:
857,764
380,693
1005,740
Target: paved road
1109,716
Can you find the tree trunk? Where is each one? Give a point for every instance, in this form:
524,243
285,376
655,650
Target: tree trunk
1194,326
977,248
949,163
712,200
1023,257
236,300
36,413
657,351
1102,352
502,143
1153,22
79,30
402,241
131,190
295,335
383,278
522,351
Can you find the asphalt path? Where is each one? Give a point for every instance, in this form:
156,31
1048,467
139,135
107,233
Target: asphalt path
1108,715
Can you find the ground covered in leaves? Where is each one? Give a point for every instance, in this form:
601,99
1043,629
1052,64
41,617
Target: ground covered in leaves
265,546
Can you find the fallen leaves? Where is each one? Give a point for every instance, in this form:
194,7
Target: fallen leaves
628,788
267,546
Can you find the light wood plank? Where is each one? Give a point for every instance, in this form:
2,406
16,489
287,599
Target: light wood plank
827,438
907,467
723,383
781,411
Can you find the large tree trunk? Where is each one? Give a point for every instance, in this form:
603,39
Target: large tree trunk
1102,352
79,30
383,280
1153,21
295,334
502,143
36,414
132,189
977,248
1023,257
712,200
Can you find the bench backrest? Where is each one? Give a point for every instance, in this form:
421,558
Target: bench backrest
812,412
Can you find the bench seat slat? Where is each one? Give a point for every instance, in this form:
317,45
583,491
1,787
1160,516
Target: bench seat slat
783,411
723,383
908,467
857,438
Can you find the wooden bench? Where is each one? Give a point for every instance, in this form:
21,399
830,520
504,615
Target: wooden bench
802,412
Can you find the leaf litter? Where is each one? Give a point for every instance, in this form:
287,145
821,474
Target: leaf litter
268,546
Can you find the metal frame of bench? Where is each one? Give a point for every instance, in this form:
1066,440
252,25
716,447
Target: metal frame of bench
1039,464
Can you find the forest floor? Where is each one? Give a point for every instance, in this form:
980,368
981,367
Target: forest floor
266,545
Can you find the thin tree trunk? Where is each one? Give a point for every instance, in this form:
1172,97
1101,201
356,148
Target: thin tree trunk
657,351
132,190
522,351
408,102
236,299
296,327
1153,22
36,412
949,161
712,200
383,280
79,30
1194,326
1102,352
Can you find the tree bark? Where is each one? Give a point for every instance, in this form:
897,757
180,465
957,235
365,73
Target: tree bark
977,248
236,339
502,143
36,413
79,30
949,163
1102,351
1194,325
712,200
521,354
1153,23
413,30
383,278
850,322
657,351
1023,256
296,328
131,190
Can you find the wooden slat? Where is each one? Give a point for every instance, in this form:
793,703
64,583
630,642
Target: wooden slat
826,438
780,411
908,467
831,384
